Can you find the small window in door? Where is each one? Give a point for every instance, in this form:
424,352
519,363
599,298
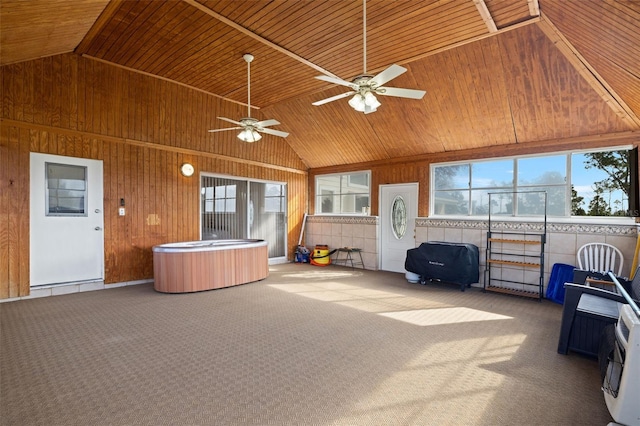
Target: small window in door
399,217
66,190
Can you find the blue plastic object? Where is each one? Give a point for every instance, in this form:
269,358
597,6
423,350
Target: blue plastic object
560,273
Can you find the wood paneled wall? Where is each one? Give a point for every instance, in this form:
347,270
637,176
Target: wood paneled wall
142,129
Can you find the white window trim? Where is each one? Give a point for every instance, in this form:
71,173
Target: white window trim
624,220
317,209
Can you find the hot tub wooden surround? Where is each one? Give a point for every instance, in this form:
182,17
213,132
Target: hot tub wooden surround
206,265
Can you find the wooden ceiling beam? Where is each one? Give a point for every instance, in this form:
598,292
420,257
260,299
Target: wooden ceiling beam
604,90
486,15
159,77
105,17
255,36
534,7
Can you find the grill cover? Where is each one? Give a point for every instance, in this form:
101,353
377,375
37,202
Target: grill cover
456,263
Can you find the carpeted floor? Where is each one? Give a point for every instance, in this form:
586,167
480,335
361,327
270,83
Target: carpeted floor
306,346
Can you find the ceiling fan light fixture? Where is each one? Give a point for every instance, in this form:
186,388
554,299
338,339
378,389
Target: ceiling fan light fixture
371,100
251,127
249,135
365,86
366,103
357,102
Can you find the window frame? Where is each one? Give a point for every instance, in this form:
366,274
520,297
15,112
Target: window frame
339,194
514,216
49,196
281,197
244,209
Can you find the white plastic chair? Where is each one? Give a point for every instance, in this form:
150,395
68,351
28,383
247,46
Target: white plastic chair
600,257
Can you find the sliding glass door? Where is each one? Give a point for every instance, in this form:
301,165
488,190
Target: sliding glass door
223,208
237,208
268,215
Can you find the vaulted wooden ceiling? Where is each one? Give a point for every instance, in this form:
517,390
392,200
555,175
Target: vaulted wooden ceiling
496,72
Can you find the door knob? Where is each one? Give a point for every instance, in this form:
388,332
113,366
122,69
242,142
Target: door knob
97,210
97,228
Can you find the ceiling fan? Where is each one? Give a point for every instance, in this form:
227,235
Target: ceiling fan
364,87
251,127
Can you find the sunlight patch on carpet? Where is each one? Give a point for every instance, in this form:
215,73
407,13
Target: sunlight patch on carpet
332,291
322,274
386,304
361,298
322,286
447,383
426,317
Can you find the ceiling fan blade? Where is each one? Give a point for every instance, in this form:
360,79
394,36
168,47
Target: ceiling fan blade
333,98
222,130
248,124
389,74
401,93
230,120
339,81
266,123
274,132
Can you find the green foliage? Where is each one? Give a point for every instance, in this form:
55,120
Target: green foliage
599,206
615,164
576,203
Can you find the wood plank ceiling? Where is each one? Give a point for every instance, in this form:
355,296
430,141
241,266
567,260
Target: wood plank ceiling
496,72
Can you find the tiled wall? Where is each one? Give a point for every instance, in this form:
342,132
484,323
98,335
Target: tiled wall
345,231
562,241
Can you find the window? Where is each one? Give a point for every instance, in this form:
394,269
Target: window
274,198
220,198
239,208
347,193
268,215
66,190
399,217
595,183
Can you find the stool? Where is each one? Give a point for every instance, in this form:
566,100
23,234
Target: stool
348,257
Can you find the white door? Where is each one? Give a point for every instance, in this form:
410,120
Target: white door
66,220
398,212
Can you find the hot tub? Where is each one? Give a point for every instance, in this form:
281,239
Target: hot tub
205,265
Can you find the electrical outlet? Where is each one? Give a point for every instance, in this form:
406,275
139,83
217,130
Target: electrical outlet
121,211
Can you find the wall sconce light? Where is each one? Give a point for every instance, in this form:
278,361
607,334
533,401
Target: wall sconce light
187,169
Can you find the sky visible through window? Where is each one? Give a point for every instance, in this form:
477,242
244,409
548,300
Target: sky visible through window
535,170
583,180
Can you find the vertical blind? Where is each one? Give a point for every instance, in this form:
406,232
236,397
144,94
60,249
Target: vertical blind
223,208
234,209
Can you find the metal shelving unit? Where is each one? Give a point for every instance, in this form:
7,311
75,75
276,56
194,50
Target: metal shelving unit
515,253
